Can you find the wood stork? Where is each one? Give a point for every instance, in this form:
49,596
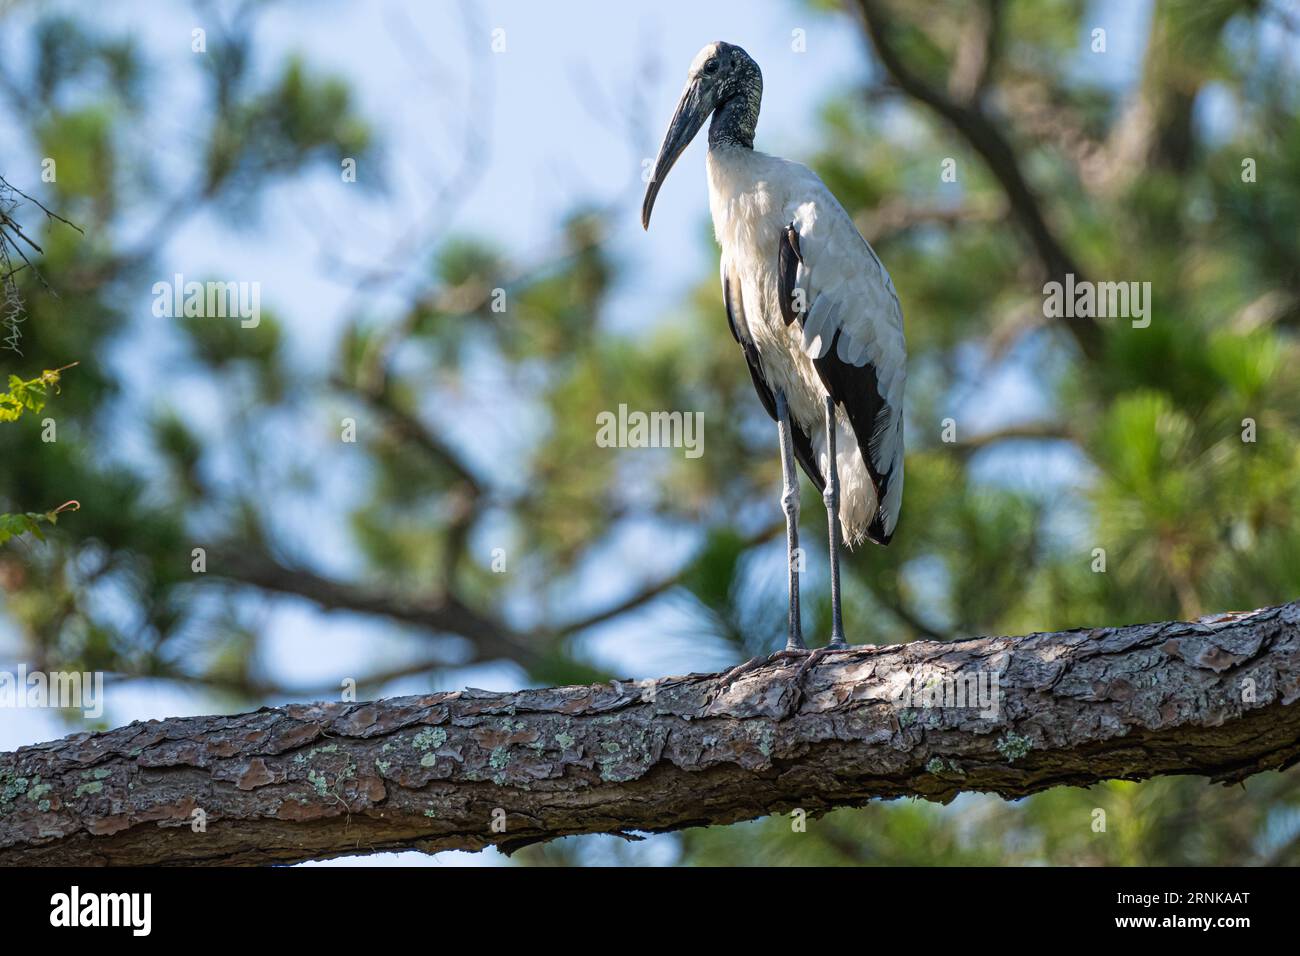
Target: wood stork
813,309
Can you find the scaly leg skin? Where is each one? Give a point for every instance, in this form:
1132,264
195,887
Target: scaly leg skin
795,646
831,495
790,505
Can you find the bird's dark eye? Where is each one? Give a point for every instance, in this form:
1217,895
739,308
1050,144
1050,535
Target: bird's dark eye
711,67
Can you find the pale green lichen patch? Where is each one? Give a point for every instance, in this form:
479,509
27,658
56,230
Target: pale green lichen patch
38,790
10,789
500,758
614,772
637,748
382,765
318,782
1013,746
937,765
317,778
430,813
564,740
85,788
625,761
428,760
609,762
429,738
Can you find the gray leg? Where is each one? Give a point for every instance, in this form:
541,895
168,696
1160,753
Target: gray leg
831,495
790,505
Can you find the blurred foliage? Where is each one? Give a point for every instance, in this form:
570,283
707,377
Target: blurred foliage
1139,452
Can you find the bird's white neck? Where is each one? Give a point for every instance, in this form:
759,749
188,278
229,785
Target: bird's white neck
740,195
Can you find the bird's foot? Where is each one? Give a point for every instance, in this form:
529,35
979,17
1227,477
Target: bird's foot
757,663
801,675
808,659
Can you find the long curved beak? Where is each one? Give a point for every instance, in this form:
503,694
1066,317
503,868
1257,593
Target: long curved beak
692,111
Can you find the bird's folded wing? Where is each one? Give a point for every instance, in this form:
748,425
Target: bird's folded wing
734,301
831,280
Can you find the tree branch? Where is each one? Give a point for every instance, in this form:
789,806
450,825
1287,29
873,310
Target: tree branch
987,140
652,591
1026,431
447,614
977,51
1215,697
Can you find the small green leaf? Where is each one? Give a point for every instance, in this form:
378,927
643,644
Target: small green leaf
28,395
14,526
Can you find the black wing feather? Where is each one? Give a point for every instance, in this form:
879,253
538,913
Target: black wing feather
803,450
788,259
856,388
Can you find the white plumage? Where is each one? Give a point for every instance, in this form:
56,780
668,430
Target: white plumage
846,290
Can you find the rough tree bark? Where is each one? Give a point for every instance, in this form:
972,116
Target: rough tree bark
472,769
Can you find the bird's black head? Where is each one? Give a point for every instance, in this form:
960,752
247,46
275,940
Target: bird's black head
726,75
723,81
